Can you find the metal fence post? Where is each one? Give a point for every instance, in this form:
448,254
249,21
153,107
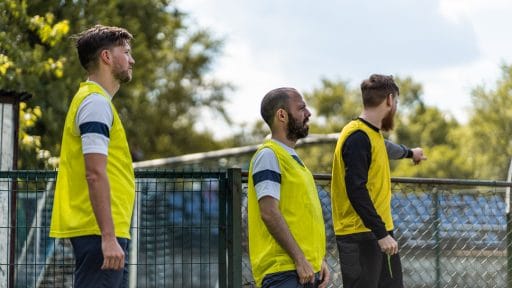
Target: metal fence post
437,237
509,228
10,99
509,249
223,187
234,204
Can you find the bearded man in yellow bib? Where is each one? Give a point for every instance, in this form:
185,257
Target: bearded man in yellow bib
361,192
285,222
95,188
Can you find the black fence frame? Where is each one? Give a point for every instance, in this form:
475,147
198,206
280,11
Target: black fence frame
229,251
230,213
437,185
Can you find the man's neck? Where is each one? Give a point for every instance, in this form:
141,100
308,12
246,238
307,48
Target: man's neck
106,81
282,138
372,117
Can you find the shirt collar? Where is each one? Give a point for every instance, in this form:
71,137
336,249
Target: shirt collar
286,147
368,124
109,96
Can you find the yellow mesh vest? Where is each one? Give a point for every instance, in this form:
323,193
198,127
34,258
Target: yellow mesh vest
72,213
345,219
300,206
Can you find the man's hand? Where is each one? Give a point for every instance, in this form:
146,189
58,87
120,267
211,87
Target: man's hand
388,245
324,275
113,254
417,155
276,225
305,271
99,194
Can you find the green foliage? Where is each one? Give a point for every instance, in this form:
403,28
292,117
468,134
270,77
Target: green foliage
490,127
426,127
169,89
334,105
29,62
318,158
417,125
249,134
443,162
160,107
410,95
31,150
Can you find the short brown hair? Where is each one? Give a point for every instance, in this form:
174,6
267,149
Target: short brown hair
92,41
376,88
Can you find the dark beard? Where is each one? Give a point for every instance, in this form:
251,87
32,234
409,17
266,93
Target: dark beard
296,130
123,76
388,123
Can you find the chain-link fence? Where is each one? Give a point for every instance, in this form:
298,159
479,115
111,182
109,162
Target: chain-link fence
180,231
451,233
186,233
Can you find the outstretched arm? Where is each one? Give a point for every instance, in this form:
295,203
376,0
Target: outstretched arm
400,151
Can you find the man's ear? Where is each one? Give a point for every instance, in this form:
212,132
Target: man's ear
106,56
281,114
389,99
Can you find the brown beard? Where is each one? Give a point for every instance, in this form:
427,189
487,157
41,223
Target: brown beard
388,123
123,76
296,130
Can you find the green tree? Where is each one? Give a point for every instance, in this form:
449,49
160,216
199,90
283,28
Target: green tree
30,145
334,104
417,125
438,133
410,95
249,134
159,108
28,63
490,128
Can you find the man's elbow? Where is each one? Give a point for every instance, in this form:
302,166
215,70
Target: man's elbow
95,167
94,174
268,215
269,209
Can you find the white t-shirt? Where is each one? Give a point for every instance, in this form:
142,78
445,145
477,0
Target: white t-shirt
94,120
266,173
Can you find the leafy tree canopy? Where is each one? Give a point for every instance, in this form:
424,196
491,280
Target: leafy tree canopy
490,128
417,125
159,108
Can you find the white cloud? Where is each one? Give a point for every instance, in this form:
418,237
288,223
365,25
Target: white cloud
449,46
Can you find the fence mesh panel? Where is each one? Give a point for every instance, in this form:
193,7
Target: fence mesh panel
449,235
176,231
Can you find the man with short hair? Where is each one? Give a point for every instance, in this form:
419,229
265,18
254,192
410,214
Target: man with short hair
285,222
95,190
361,192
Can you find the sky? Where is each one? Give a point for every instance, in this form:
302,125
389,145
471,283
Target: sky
449,46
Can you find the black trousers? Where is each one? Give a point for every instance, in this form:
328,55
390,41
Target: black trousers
363,265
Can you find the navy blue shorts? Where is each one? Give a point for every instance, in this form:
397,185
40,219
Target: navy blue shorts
89,258
287,279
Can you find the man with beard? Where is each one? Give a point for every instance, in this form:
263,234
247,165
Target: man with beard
95,188
361,192
285,222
